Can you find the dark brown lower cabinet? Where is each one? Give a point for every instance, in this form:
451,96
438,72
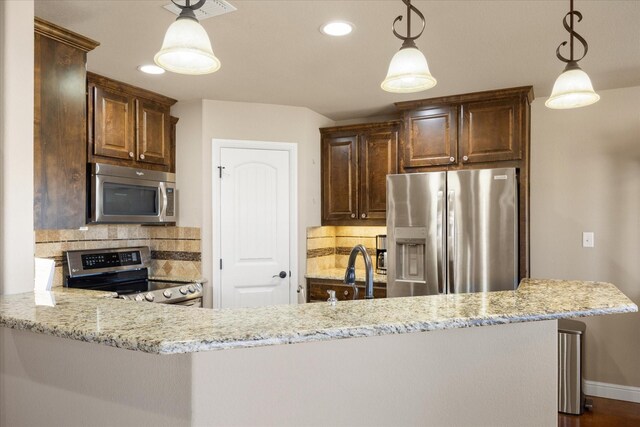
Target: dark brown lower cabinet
317,290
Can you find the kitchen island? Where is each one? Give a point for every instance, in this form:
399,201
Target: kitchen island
418,360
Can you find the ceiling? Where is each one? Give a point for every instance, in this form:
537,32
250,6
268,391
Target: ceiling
273,52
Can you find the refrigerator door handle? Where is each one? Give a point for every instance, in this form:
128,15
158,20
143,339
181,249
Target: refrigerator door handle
451,240
441,218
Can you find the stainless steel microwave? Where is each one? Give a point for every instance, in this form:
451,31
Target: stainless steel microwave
131,196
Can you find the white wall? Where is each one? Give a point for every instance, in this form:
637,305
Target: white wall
245,121
418,379
585,176
16,146
189,162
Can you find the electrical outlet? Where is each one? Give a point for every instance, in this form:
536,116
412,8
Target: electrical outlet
588,239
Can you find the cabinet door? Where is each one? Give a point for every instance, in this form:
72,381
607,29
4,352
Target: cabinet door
339,178
431,137
153,126
112,125
491,131
378,158
172,147
60,153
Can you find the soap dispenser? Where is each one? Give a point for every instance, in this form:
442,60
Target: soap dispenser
332,297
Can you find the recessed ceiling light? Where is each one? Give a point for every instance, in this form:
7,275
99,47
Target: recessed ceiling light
337,28
151,69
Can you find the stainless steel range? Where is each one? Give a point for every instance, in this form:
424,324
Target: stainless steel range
126,272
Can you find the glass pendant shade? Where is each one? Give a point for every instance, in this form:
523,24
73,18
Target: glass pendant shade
408,72
572,89
186,49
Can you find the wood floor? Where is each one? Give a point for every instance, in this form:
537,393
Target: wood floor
605,413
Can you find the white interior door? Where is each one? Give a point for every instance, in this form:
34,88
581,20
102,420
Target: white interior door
254,224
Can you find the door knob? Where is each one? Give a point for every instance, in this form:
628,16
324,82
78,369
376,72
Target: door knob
282,275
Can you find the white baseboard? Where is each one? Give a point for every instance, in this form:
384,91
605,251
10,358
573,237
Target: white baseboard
612,391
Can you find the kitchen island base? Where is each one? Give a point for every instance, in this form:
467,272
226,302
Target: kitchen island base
501,375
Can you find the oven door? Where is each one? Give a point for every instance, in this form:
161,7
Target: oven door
130,200
193,302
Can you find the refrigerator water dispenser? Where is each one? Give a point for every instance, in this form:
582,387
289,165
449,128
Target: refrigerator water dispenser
410,261
410,253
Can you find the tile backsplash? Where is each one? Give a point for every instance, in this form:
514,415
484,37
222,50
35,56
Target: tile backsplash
330,246
175,251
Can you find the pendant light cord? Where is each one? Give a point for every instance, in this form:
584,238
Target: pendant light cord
570,32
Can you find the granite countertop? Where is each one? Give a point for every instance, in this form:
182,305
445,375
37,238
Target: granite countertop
167,329
338,274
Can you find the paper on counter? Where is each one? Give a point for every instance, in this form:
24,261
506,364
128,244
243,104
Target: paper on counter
45,269
45,298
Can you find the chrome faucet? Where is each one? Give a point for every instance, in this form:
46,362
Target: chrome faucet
350,274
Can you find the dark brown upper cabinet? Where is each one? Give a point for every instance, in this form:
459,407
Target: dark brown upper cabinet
339,177
491,131
60,135
153,132
432,136
488,129
355,163
129,126
481,127
113,124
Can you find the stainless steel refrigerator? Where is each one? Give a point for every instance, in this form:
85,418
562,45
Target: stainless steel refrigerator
452,232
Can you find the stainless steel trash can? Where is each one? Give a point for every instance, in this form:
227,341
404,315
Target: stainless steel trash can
570,362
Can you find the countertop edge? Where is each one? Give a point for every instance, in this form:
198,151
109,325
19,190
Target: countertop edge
451,312
380,330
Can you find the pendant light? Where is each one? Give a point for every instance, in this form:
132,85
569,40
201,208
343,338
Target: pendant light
573,87
408,71
186,48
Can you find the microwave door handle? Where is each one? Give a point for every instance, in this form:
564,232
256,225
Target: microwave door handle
163,201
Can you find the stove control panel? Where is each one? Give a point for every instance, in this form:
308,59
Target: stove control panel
111,259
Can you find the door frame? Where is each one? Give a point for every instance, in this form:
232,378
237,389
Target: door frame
292,148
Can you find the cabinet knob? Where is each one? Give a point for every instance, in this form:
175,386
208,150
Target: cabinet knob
142,156
465,158
353,215
364,215
346,293
130,153
452,159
